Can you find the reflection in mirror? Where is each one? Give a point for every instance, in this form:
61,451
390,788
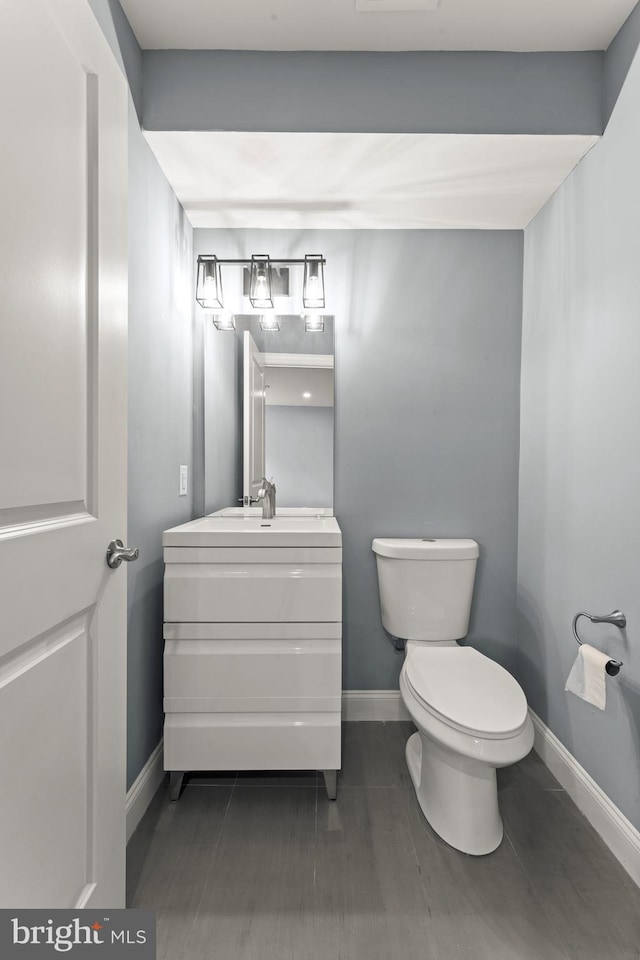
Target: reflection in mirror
299,427
269,411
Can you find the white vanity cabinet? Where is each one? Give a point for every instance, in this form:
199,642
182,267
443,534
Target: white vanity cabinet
253,645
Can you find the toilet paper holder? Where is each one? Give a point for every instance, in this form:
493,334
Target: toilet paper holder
617,618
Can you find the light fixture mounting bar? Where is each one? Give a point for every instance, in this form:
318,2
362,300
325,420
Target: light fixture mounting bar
282,263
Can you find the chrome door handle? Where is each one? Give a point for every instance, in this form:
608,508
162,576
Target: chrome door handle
117,552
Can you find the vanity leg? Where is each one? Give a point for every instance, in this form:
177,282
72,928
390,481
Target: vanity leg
331,783
175,784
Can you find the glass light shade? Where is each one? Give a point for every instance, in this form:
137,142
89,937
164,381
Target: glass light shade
313,323
270,322
260,293
313,285
224,321
209,283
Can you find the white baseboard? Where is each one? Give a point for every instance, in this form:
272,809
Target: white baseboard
373,705
609,822
142,790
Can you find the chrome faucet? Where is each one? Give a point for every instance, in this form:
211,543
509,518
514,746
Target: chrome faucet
267,493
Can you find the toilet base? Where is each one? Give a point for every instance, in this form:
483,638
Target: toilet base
458,795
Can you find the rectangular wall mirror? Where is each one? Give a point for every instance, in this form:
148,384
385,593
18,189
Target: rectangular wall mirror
268,399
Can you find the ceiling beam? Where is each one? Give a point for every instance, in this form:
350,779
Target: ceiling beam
433,92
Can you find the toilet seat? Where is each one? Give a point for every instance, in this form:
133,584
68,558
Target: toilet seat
467,691
453,769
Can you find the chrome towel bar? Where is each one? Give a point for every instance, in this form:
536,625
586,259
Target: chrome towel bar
617,618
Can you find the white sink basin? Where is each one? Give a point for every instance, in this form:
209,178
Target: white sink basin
229,530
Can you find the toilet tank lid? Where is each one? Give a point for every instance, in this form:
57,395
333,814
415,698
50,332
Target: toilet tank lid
425,549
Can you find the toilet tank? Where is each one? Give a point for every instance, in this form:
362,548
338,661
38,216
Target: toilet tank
426,587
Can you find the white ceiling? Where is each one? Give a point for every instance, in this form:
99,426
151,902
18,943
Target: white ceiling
337,25
358,181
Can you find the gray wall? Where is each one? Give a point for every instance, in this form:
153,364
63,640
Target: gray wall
432,92
160,423
580,461
427,331
427,379
299,454
160,397
619,58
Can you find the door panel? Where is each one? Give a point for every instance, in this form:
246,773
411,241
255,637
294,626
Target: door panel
46,276
63,323
56,858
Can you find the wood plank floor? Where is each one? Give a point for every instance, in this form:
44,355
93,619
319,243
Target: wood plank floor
250,867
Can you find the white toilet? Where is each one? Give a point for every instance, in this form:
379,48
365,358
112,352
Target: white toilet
470,713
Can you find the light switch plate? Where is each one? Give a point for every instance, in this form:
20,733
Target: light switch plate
184,480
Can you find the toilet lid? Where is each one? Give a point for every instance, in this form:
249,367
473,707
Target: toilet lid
467,690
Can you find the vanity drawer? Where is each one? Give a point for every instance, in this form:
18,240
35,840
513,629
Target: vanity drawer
287,674
249,555
222,592
258,741
253,631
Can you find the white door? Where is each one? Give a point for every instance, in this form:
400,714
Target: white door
253,418
63,329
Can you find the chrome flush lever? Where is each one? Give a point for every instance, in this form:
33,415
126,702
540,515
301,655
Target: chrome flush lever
117,552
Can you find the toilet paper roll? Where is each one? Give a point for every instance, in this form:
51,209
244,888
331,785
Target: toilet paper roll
587,676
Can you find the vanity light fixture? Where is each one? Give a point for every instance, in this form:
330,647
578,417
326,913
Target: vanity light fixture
224,321
261,286
313,323
270,322
313,285
209,283
306,395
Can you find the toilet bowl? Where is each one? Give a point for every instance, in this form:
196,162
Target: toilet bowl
472,718
471,714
